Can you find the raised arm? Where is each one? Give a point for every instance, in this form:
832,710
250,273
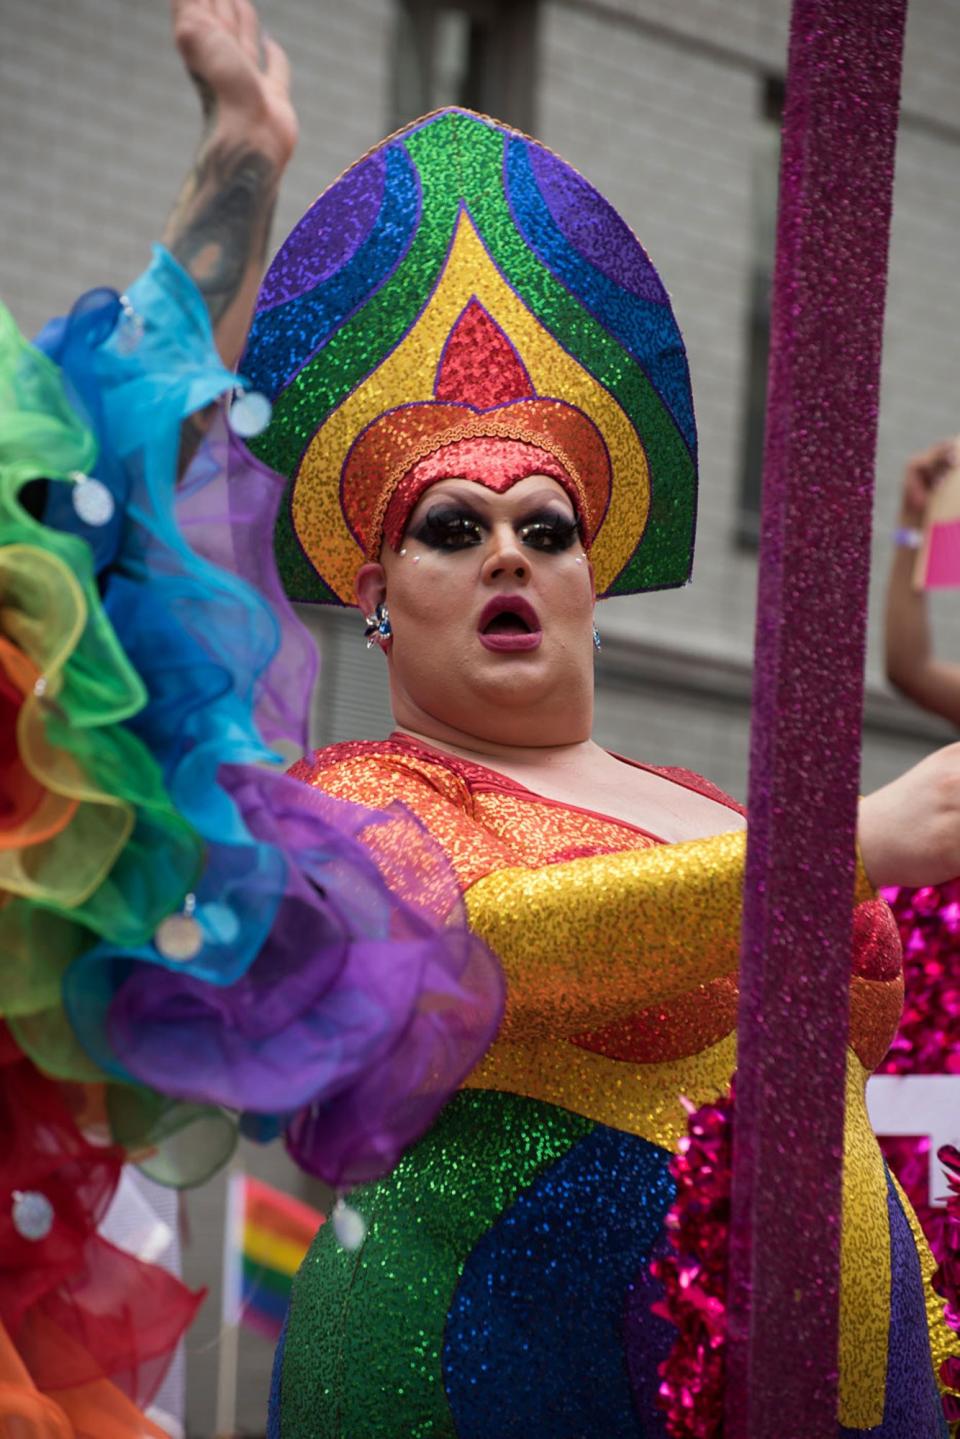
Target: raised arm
912,667
220,224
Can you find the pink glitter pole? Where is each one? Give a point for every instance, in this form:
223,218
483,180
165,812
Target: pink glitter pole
835,201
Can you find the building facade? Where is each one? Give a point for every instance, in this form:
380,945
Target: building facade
671,108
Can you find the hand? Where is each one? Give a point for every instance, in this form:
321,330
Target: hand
242,76
909,831
923,473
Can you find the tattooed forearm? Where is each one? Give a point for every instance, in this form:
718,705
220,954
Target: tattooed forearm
221,225
219,232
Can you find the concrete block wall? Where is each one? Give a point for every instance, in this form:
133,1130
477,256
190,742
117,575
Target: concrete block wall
661,106
98,124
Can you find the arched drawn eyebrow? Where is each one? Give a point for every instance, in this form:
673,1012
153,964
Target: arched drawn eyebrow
479,507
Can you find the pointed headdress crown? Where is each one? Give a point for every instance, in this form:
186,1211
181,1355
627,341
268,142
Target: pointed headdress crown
462,302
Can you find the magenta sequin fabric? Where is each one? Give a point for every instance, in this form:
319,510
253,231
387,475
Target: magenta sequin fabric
694,1276
835,200
946,1280
928,1040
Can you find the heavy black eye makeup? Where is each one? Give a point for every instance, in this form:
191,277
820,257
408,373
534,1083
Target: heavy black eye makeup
548,530
450,527
456,527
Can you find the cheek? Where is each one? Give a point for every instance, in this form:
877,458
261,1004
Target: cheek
570,587
431,595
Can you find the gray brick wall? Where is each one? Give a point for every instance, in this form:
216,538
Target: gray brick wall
98,125
658,103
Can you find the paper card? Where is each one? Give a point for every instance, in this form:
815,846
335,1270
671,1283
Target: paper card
938,559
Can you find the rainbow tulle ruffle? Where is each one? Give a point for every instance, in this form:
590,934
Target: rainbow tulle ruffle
330,990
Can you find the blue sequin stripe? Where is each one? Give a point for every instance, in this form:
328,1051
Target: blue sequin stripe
647,331
286,337
535,1337
912,1407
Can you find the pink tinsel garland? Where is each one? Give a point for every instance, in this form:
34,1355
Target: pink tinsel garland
946,1279
694,1275
928,1040
694,1272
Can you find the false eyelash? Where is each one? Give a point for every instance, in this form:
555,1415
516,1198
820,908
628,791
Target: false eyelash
445,526
560,529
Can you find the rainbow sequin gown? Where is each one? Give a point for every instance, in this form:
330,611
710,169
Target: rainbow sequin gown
503,1287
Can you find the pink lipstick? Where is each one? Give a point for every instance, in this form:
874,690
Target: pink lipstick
509,622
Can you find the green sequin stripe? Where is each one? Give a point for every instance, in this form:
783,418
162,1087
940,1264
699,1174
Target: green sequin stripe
663,554
365,1337
348,357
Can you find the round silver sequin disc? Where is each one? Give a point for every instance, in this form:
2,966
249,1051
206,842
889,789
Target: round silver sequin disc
250,414
93,502
349,1227
179,938
129,331
32,1214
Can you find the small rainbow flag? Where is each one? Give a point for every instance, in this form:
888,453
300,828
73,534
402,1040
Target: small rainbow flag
267,1235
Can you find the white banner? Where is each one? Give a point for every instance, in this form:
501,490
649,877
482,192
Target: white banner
928,1104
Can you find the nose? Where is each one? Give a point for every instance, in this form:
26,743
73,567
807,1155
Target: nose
505,558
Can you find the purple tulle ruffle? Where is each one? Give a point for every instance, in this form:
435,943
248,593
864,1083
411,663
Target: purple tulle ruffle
364,1009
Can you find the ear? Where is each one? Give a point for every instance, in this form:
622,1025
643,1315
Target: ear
370,587
593,578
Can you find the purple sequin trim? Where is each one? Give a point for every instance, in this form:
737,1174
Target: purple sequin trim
328,236
593,227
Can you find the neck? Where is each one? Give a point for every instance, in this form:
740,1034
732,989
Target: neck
554,725
468,746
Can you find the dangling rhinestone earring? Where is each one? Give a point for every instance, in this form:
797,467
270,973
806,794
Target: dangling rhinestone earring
378,629
596,639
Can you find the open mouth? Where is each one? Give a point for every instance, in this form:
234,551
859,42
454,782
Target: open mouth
509,622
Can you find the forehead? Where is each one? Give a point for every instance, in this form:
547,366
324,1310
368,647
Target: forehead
532,489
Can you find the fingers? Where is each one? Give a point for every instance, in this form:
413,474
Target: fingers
192,21
924,471
226,14
939,458
276,65
248,31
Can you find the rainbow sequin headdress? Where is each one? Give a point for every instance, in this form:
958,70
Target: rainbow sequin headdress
461,286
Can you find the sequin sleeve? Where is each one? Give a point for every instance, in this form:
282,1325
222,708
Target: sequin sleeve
592,940
584,942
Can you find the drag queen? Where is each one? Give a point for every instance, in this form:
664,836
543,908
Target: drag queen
481,406
481,423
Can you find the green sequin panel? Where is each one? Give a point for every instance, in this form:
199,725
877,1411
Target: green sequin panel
364,1342
349,357
662,556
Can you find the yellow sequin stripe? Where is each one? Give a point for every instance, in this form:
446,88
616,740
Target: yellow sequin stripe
943,1341
642,1099
864,1263
645,1100
407,375
592,940
862,888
